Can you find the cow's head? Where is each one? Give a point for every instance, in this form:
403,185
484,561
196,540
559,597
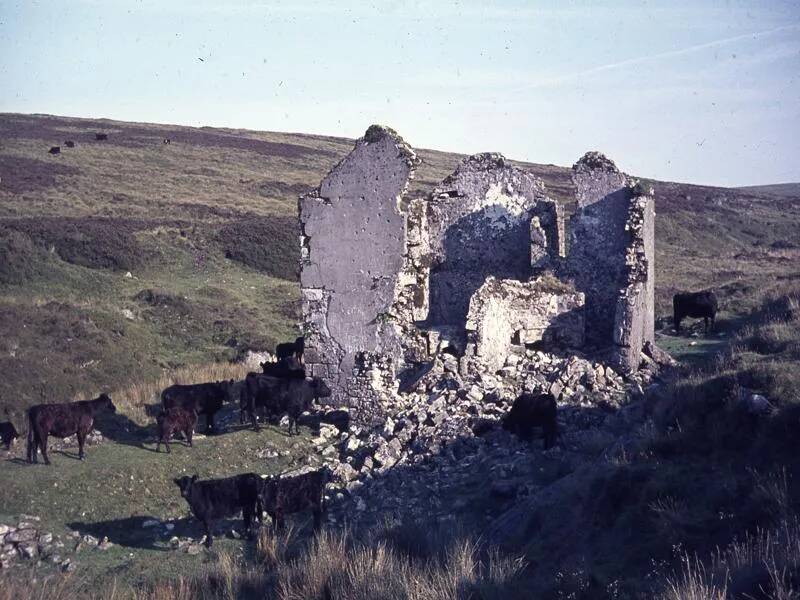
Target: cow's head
107,403
229,389
267,488
14,435
185,484
321,389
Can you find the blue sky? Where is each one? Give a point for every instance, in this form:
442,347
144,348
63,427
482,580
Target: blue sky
704,92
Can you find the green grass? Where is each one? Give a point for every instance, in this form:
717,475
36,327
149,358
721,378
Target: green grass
124,482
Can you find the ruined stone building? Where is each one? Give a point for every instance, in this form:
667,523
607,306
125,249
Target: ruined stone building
477,268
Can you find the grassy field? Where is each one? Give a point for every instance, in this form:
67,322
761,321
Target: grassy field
130,264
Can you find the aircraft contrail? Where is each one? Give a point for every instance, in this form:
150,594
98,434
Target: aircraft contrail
641,59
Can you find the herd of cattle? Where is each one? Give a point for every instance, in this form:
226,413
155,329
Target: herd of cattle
100,137
281,389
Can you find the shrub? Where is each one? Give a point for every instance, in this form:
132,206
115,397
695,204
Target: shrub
268,244
93,242
20,259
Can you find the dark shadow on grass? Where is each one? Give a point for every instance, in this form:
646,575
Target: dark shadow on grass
130,532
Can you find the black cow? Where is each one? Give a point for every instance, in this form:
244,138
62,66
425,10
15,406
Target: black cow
289,367
285,495
100,136
217,498
177,418
69,144
280,396
8,434
698,305
288,349
533,410
167,141
204,398
55,150
62,420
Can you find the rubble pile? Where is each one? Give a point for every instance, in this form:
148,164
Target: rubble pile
448,429
26,541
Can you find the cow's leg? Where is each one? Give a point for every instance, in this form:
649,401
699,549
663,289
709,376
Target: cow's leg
209,539
158,445
32,451
81,440
43,446
209,423
247,514
189,433
549,437
253,419
318,516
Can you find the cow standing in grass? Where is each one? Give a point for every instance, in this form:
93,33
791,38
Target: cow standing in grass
279,396
699,305
172,420
282,495
203,398
214,499
62,420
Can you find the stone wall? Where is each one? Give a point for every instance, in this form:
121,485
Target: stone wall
611,258
505,313
486,219
353,244
634,320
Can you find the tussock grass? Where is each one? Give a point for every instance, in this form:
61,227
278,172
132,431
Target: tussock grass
135,399
765,564
332,566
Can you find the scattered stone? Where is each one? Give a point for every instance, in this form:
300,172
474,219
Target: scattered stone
194,549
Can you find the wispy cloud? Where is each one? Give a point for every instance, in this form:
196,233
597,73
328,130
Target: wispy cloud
571,77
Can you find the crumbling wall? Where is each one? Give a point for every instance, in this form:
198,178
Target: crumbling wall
486,219
634,320
596,260
353,245
389,281
611,258
505,313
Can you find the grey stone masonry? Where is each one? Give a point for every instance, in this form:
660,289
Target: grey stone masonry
611,258
505,313
353,244
473,274
488,218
